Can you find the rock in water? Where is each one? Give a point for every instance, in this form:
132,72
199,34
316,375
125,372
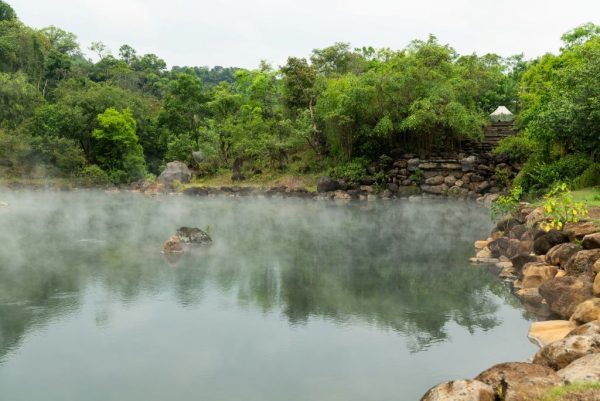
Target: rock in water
173,245
192,235
175,171
3,204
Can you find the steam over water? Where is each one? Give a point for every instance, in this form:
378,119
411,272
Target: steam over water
296,300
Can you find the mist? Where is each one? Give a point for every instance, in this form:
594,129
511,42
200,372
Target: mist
286,281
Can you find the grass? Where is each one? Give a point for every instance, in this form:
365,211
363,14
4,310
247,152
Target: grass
575,392
267,179
591,196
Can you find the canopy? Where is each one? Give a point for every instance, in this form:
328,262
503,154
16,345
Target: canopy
502,114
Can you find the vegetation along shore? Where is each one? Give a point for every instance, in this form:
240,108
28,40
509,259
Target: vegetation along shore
520,135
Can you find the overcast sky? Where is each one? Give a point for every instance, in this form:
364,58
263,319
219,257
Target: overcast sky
242,32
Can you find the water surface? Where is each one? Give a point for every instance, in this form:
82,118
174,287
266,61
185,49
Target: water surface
296,300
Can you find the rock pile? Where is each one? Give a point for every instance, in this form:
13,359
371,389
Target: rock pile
554,273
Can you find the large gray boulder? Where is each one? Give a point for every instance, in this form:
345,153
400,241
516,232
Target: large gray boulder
175,171
193,235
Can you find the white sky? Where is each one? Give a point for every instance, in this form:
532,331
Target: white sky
242,32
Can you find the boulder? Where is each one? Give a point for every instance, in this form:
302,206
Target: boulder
192,235
517,247
565,293
175,171
587,329
591,241
499,246
468,163
545,242
517,231
596,285
544,333
436,180
460,390
584,369
582,262
434,189
561,253
481,244
521,260
535,217
450,180
561,353
484,253
412,165
536,273
326,184
576,231
587,311
507,223
173,245
519,381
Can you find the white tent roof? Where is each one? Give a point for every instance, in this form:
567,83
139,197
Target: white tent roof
501,111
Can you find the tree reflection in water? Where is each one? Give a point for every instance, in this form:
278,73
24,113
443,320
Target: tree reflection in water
398,265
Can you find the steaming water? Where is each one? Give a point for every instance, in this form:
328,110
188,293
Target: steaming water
296,300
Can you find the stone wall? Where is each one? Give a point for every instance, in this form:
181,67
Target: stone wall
467,176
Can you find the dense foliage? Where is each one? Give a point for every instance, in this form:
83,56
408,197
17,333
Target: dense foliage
560,115
124,116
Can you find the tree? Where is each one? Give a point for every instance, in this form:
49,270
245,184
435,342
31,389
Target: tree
116,148
18,99
6,12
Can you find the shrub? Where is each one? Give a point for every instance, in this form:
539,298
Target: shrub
589,178
539,175
561,208
517,148
418,176
507,204
93,176
354,172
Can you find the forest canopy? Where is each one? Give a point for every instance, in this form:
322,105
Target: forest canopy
126,115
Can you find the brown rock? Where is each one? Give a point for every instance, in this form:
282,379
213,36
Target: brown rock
596,286
460,390
580,230
499,247
544,333
520,381
516,247
582,262
587,311
565,293
561,353
484,253
586,329
534,274
521,260
561,253
591,241
481,244
173,245
543,243
536,216
584,369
